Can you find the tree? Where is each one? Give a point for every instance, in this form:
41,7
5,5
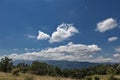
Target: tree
23,67
6,64
39,68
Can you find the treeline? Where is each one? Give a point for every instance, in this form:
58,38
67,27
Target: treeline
41,68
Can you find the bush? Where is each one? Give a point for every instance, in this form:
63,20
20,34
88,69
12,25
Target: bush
16,71
6,64
88,78
111,77
96,78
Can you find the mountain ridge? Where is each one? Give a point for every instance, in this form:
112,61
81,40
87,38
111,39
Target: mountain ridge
63,63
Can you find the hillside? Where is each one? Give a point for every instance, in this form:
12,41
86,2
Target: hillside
71,64
63,63
28,76
9,76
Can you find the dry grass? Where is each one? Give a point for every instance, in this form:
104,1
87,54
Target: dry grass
9,76
51,78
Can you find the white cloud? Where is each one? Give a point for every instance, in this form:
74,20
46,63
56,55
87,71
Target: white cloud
63,32
30,49
16,49
112,39
101,59
76,52
117,50
42,36
117,55
31,36
107,24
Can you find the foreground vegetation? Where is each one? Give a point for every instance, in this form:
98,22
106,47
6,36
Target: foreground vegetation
41,71
27,76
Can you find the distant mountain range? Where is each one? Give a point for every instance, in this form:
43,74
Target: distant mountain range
71,64
64,64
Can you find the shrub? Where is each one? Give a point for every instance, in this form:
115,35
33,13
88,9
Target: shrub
6,64
16,71
96,78
88,78
111,77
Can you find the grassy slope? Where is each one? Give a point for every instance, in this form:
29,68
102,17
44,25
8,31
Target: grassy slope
103,77
9,76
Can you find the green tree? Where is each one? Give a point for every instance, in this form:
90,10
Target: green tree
23,67
6,64
39,68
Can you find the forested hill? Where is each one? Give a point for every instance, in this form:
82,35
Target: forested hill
71,64
64,64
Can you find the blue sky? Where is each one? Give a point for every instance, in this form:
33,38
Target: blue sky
44,29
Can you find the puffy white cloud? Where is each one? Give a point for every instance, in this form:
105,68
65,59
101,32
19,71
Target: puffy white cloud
76,52
63,32
112,39
42,36
107,24
117,55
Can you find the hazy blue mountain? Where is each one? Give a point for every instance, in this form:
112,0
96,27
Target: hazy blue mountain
63,63
72,64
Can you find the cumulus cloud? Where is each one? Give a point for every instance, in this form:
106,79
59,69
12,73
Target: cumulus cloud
117,55
42,36
71,52
111,39
106,24
63,32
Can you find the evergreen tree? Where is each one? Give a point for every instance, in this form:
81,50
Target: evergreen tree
6,64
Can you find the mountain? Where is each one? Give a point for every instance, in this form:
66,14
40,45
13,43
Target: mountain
71,64
62,64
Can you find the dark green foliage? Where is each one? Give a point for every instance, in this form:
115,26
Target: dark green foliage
88,78
40,68
6,64
23,67
96,78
